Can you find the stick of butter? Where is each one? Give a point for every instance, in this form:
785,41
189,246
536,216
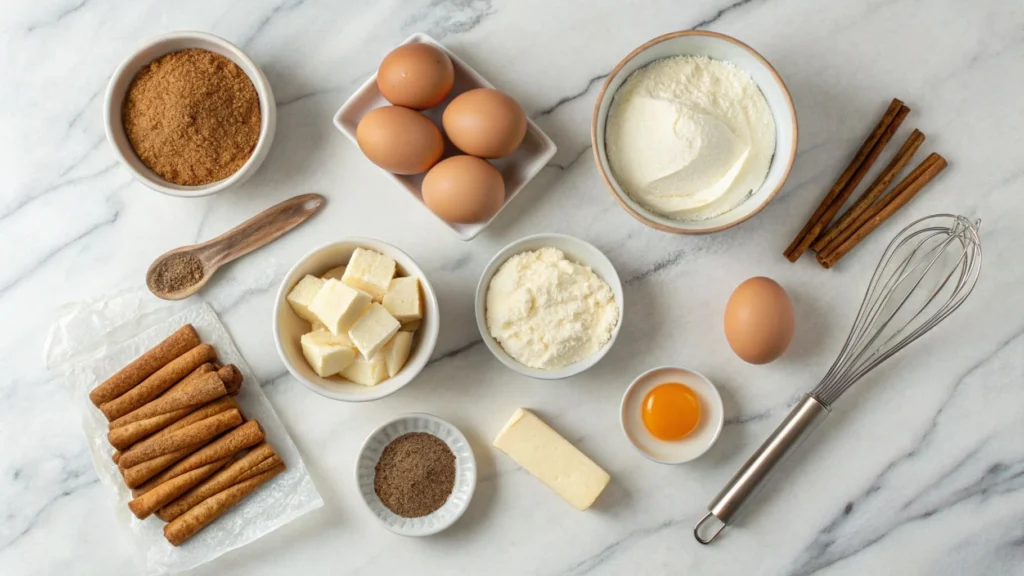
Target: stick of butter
552,459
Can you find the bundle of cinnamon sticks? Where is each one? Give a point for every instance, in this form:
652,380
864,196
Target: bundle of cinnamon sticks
833,241
182,444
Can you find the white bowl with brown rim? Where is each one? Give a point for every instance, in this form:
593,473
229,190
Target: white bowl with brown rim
719,47
161,46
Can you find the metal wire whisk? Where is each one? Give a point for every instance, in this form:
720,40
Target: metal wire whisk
926,273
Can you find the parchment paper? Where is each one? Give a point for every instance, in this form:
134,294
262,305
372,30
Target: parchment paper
89,341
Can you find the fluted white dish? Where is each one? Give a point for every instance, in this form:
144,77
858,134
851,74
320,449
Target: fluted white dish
465,474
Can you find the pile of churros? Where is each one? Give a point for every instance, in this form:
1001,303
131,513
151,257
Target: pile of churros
182,444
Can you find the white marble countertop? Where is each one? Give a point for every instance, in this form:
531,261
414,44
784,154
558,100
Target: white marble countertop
920,469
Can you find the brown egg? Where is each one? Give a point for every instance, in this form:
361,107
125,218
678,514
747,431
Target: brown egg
463,189
485,123
400,140
759,320
416,75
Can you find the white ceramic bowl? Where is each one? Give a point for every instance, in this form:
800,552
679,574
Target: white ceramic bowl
576,250
691,446
719,47
465,474
517,169
289,328
160,46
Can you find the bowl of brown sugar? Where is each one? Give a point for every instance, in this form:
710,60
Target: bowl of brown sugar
190,114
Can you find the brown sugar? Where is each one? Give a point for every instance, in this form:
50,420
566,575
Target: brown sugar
415,474
193,117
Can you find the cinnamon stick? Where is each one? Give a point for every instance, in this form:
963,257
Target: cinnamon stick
262,467
197,392
189,436
198,517
144,505
235,472
242,437
232,378
160,381
801,242
124,436
138,474
181,341
882,210
877,188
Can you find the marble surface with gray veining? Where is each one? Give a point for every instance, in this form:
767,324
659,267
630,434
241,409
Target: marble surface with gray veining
919,470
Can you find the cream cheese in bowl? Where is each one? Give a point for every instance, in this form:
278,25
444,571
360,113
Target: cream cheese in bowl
690,137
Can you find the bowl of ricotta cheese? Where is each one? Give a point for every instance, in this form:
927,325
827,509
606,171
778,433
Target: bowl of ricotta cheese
549,306
694,132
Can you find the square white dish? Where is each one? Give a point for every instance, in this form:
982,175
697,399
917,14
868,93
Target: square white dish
517,169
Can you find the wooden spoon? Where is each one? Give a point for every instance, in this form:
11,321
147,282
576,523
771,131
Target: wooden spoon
204,259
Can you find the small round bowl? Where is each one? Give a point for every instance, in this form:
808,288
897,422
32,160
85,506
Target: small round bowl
289,328
576,250
465,474
694,444
718,47
161,46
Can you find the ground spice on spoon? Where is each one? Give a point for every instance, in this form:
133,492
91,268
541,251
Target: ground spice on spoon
177,272
415,474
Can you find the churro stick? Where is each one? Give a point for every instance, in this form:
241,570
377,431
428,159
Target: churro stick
144,505
183,340
262,467
195,393
139,473
234,473
189,436
232,378
198,517
124,436
156,384
242,437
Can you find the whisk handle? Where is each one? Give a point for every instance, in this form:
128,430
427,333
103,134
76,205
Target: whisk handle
804,418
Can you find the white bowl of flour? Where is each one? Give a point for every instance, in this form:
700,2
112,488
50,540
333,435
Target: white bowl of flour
694,132
549,306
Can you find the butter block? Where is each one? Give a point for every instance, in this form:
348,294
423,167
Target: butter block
325,355
338,306
369,271
367,372
336,273
551,459
403,300
373,330
396,352
302,295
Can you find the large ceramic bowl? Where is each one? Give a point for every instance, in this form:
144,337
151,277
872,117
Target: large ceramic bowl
289,328
161,46
718,47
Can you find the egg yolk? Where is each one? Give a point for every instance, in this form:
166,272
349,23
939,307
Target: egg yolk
671,411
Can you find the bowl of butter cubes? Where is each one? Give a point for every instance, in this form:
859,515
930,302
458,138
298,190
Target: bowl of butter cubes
355,320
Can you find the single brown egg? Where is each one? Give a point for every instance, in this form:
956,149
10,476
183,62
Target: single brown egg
416,75
463,190
400,140
759,320
485,123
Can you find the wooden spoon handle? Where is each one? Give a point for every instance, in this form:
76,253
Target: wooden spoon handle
261,229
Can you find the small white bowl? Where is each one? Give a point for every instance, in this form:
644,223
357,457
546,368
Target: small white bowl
465,474
718,47
517,169
163,45
576,250
289,328
694,444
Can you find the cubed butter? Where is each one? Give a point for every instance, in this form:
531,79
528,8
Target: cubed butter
411,326
336,273
367,372
325,355
369,271
552,459
396,352
302,295
338,306
403,299
373,330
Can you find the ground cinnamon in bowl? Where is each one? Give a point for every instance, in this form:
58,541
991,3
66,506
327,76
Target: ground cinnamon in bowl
177,272
193,117
415,474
